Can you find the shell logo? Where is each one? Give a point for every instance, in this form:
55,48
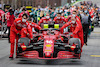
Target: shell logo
48,45
23,46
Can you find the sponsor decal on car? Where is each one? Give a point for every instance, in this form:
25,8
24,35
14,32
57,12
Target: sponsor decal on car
49,41
48,45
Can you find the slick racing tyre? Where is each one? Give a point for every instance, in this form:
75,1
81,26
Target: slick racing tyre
25,40
77,41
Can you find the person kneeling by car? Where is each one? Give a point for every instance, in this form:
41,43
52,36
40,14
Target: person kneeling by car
77,29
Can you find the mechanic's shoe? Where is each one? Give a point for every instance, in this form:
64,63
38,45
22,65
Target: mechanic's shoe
85,44
16,57
11,56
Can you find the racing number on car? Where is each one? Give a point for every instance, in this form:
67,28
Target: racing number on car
47,41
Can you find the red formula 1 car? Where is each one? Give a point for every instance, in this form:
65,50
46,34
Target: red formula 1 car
49,44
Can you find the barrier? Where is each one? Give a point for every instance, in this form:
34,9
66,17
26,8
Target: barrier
3,27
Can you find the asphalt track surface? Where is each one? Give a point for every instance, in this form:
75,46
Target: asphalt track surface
90,56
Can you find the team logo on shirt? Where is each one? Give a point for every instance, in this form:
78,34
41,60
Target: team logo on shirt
24,25
20,25
58,21
44,21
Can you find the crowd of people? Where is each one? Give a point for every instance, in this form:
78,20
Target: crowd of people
21,23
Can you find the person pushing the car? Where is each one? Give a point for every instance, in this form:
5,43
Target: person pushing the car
77,29
34,28
15,31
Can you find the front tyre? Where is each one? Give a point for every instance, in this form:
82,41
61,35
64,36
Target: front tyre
76,41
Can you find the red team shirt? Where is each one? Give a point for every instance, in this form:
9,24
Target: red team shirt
1,14
44,20
10,19
61,20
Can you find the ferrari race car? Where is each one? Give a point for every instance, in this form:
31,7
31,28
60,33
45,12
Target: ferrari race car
49,43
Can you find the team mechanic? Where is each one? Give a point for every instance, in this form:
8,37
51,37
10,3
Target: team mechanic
34,28
59,18
16,30
45,19
77,29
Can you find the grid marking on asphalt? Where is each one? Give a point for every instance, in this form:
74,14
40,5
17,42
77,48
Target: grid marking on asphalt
95,55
